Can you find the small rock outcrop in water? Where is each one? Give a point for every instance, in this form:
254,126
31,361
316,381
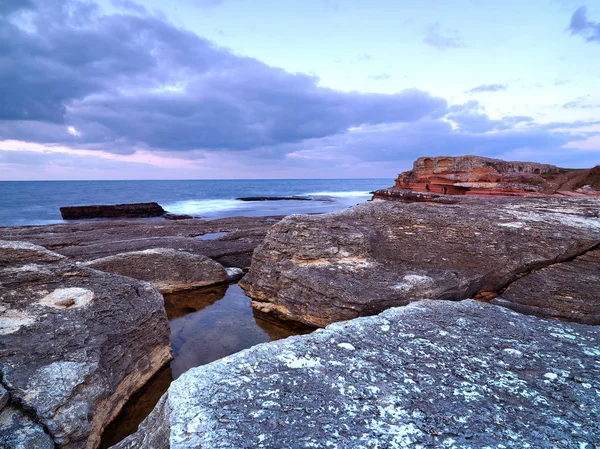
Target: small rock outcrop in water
75,344
481,176
168,269
135,210
432,374
361,261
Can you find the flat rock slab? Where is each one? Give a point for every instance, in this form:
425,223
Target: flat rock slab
134,210
169,270
86,241
431,374
569,291
75,344
361,261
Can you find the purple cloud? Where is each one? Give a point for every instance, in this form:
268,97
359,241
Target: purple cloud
586,28
488,88
441,38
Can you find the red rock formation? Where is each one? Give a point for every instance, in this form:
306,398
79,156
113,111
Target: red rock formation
481,176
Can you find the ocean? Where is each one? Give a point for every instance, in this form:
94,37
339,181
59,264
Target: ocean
38,202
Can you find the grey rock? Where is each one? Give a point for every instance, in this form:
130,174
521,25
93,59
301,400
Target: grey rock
234,274
568,291
84,241
431,374
4,397
75,343
169,270
17,431
325,268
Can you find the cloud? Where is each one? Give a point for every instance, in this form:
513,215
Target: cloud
441,38
133,90
582,26
488,88
580,103
129,81
380,77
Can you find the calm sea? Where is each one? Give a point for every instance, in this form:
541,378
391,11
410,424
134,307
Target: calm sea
38,202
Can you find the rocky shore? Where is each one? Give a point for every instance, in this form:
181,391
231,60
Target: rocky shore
462,314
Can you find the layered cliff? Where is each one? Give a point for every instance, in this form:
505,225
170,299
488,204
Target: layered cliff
481,176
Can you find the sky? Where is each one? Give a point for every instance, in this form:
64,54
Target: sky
227,89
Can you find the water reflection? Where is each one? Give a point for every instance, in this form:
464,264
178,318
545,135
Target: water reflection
206,324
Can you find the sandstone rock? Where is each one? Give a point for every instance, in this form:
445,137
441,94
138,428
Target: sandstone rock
75,343
568,291
135,210
168,269
332,267
481,176
432,374
84,241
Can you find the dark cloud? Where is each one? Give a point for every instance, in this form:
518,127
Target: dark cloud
11,6
586,28
441,38
488,88
125,81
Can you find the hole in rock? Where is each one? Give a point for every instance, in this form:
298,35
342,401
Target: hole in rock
206,324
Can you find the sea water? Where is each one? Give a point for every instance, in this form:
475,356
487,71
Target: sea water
38,202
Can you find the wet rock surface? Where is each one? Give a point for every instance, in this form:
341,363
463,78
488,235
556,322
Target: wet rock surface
431,374
84,241
338,266
75,343
169,270
134,210
569,291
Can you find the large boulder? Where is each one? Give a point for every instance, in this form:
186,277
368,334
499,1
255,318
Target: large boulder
361,261
75,344
568,291
432,374
168,269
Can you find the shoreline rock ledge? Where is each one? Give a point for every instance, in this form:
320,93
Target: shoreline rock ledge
333,267
431,374
75,344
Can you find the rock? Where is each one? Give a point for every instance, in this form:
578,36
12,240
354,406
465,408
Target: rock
85,241
4,397
135,210
481,176
17,431
168,269
432,374
234,274
567,290
169,216
275,198
75,343
361,261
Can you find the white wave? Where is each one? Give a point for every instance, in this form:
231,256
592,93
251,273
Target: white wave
199,207
353,194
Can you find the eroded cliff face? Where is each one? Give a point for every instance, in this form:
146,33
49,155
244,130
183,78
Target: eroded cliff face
334,267
431,374
75,344
480,176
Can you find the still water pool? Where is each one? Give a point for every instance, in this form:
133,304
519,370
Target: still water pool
206,324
